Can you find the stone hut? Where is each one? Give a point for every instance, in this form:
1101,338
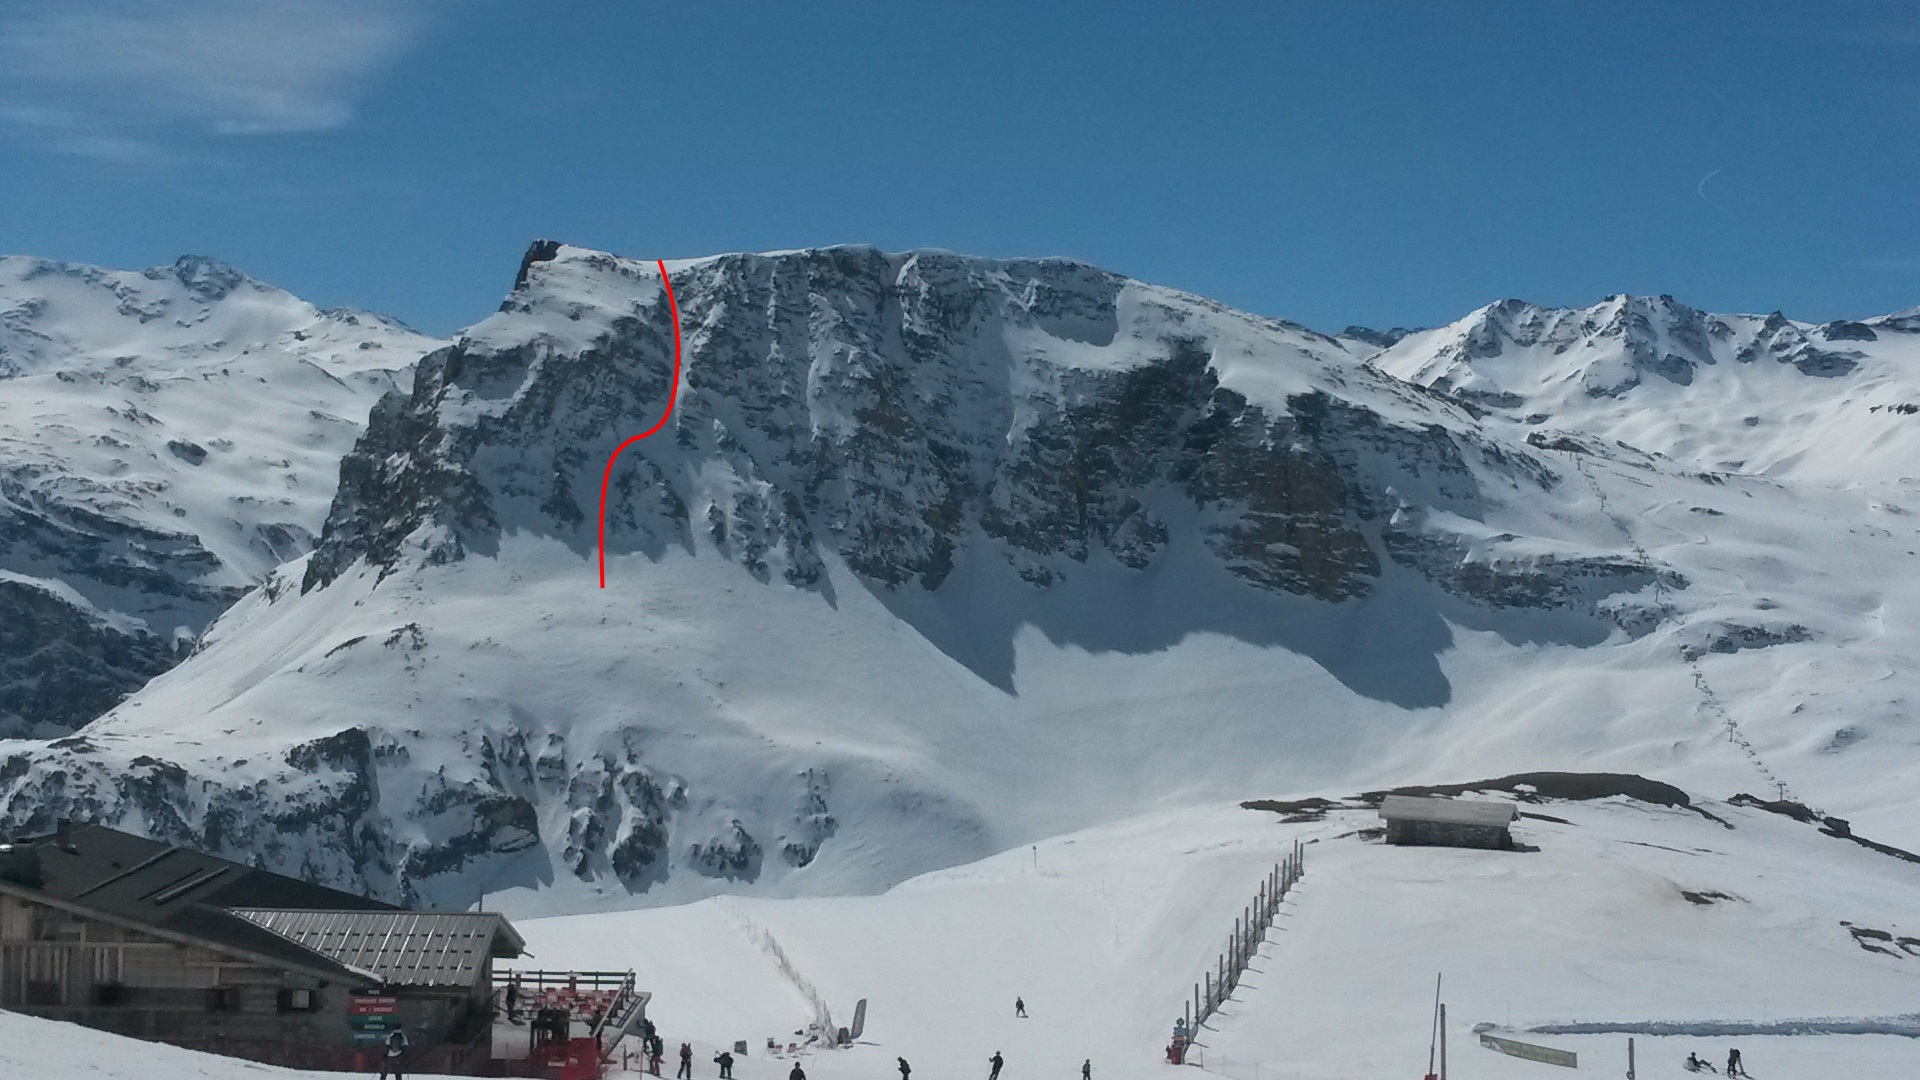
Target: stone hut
1480,823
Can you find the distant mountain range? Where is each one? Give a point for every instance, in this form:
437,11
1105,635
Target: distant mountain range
167,437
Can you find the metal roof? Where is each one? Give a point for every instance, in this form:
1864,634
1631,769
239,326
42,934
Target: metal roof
150,883
1448,811
401,948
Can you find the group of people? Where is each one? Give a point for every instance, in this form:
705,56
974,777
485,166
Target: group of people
1696,1063
651,1040
654,1048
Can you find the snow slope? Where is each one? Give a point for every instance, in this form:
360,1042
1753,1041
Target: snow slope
166,437
34,1049
1102,933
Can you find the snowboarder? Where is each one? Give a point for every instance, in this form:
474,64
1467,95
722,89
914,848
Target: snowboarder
725,1061
1734,1065
686,1063
656,1052
996,1061
798,1073
396,1049
1019,1007
906,1070
1086,1069
1695,1063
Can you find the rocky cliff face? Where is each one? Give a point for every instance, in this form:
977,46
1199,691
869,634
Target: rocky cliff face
897,411
166,438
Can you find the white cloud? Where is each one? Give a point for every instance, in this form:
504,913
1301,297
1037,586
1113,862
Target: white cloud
119,73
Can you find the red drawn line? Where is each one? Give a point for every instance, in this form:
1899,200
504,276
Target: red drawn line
672,393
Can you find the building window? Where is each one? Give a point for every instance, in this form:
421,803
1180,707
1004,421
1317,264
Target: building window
110,994
296,999
223,999
43,992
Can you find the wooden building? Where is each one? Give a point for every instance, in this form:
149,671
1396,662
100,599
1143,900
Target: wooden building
1477,823
134,936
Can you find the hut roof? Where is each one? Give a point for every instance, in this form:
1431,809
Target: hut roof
1448,811
403,948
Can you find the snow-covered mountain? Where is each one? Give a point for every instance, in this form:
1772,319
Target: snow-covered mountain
166,438
939,555
1727,393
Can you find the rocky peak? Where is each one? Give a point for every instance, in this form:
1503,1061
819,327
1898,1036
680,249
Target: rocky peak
1379,339
207,280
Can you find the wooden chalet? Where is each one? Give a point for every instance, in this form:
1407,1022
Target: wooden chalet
141,938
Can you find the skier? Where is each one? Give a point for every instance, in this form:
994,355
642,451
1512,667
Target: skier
1086,1069
686,1063
905,1069
396,1049
725,1061
656,1052
996,1061
1019,1007
1734,1065
798,1073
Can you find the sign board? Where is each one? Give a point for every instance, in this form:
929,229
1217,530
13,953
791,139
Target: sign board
1530,1051
372,1018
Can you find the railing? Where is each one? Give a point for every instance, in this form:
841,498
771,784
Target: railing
608,1002
586,995
1248,932
595,980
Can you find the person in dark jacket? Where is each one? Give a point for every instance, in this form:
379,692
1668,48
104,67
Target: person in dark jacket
513,1000
1734,1065
725,1061
686,1063
798,1073
1019,1007
906,1070
996,1061
391,1061
1086,1069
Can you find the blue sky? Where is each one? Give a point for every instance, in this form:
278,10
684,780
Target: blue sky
1328,163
